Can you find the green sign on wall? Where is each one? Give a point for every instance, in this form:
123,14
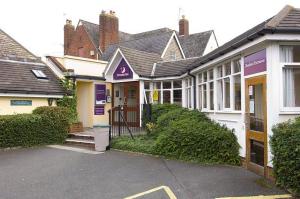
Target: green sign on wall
21,102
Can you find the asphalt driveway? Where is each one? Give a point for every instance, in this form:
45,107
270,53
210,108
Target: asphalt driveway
46,173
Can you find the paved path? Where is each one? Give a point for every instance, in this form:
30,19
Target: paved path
46,173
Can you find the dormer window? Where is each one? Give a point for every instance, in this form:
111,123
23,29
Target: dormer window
39,74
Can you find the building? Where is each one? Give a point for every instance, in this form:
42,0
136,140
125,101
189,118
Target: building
25,81
92,91
248,84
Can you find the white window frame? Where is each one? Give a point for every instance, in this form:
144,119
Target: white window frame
283,108
188,93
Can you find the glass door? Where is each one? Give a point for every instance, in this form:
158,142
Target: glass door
256,124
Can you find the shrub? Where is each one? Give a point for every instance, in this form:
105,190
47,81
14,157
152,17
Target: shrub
285,146
48,125
199,141
158,110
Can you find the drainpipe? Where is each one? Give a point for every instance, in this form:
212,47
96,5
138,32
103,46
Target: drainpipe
194,88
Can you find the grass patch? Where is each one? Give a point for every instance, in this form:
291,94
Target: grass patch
141,143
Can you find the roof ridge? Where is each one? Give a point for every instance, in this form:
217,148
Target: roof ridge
138,50
198,33
189,58
273,23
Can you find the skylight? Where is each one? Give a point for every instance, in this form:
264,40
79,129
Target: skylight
39,74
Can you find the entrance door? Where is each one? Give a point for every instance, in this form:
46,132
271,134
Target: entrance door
256,125
132,103
127,95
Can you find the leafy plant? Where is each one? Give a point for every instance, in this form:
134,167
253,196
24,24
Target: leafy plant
285,146
69,100
47,125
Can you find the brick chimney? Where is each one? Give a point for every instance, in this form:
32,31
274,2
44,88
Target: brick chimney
183,26
109,29
69,31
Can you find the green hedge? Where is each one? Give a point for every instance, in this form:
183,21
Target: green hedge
47,125
285,146
185,134
158,110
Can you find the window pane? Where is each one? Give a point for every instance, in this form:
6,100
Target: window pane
211,95
291,79
220,71
205,76
148,97
237,92
289,54
296,53
166,85
204,96
200,97
157,85
211,74
257,152
227,68
166,96
256,108
200,77
220,94
236,66
177,84
147,85
177,97
227,92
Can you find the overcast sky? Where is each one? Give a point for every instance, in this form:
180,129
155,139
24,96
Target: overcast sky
38,24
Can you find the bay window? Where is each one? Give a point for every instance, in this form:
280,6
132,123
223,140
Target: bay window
206,90
290,59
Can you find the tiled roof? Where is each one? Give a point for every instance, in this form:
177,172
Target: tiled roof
16,65
172,68
152,43
17,77
141,62
11,48
194,45
286,21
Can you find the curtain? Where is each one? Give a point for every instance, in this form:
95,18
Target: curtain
286,56
220,94
289,87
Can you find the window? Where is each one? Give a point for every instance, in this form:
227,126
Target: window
290,57
172,55
168,91
188,94
228,87
81,52
39,74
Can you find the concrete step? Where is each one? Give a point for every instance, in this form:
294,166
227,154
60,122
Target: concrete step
80,136
77,142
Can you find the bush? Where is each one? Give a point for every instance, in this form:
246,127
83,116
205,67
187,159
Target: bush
285,146
158,110
199,141
48,125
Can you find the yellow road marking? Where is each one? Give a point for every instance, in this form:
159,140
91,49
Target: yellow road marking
260,197
165,188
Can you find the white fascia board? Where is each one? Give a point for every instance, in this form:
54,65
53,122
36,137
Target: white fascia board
85,59
274,37
29,95
55,69
111,61
169,42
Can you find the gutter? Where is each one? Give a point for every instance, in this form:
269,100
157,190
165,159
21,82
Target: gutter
194,87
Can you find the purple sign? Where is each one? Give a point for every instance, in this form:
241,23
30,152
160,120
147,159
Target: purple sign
123,71
100,94
99,110
255,63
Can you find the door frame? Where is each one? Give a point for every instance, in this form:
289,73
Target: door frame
125,108
254,135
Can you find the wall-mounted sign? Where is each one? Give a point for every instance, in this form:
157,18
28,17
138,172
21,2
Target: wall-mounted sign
123,71
100,94
21,102
255,63
99,110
